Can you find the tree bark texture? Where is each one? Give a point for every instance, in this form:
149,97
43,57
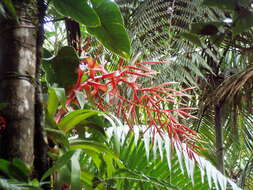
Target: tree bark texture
219,138
41,163
18,47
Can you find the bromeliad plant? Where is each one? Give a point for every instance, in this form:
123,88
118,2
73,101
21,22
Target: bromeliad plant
120,93
154,109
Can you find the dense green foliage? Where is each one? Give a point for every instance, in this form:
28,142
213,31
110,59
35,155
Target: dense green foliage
104,129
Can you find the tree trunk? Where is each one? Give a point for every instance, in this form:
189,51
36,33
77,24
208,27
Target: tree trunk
41,162
18,47
219,138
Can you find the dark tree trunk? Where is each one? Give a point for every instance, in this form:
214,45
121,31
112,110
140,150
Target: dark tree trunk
219,138
18,43
41,163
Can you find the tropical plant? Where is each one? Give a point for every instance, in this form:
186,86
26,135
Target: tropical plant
210,39
87,83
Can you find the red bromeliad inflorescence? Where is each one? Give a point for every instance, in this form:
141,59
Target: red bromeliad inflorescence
119,92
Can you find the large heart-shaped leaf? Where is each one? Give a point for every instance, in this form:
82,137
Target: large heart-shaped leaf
62,68
112,34
78,10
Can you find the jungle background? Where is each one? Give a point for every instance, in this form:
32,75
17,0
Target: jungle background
126,94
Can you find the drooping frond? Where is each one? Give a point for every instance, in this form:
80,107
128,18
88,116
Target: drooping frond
232,85
177,155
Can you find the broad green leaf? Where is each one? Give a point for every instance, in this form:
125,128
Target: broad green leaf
58,136
192,38
87,177
64,159
60,93
61,69
71,115
109,10
75,171
222,4
78,119
78,10
9,5
95,158
20,169
4,167
243,22
52,104
109,165
91,146
111,33
74,121
50,122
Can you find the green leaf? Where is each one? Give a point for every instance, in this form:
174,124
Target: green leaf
15,169
62,68
109,165
210,28
52,104
4,167
64,175
7,185
78,10
74,118
3,105
91,146
9,5
111,33
192,38
70,116
222,4
75,171
243,22
58,136
75,121
59,163
60,93
20,169
87,177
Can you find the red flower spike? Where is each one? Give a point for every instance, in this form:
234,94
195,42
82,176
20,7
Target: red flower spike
150,100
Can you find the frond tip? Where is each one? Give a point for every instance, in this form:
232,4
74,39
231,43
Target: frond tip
161,145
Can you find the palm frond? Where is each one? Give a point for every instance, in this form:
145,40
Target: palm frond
232,85
180,160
